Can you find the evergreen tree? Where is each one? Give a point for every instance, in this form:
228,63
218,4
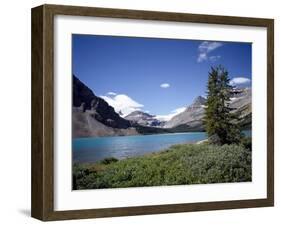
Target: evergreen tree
220,123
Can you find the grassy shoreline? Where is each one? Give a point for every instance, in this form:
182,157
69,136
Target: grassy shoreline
177,165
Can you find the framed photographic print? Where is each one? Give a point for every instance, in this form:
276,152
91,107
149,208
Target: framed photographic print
141,112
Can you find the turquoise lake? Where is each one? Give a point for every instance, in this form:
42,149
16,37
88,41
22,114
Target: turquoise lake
91,150
120,147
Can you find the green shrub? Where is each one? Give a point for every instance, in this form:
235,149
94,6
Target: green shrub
247,142
180,164
109,160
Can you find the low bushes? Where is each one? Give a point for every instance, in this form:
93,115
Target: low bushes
180,164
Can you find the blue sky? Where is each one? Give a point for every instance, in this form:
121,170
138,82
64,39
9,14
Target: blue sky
160,76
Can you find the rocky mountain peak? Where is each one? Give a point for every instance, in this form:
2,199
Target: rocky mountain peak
143,118
139,114
198,101
85,100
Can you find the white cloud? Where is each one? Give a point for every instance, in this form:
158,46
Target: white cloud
239,81
165,85
171,115
205,48
209,46
202,57
111,94
123,103
214,58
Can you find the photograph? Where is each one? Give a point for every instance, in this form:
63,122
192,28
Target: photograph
160,112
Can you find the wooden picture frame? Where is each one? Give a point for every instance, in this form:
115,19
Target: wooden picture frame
43,108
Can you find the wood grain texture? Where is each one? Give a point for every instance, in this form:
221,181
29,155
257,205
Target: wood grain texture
270,111
43,108
42,113
37,159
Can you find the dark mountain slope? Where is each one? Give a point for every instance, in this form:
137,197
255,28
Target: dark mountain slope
92,116
85,99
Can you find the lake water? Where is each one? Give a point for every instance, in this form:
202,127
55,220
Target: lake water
98,148
90,150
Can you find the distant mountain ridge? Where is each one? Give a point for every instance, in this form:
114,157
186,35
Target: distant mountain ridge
143,118
192,118
241,101
92,116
